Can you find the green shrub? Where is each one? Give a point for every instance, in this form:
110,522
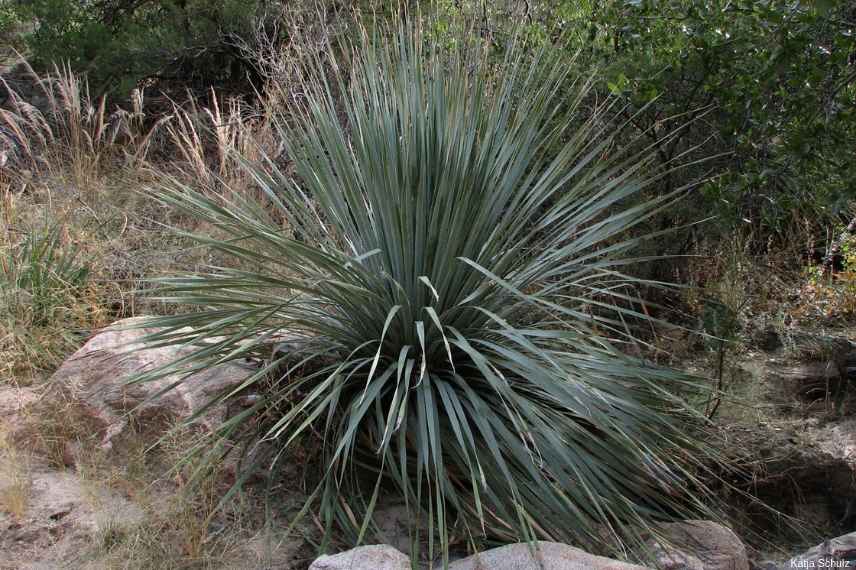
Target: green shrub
167,42
445,305
8,21
768,87
770,83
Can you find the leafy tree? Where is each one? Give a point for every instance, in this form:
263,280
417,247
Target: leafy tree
771,86
767,87
120,43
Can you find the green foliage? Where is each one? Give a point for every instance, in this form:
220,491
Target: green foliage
444,309
771,84
42,289
120,43
43,273
8,20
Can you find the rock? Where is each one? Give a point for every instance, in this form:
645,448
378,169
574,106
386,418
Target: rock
63,496
13,404
713,545
393,526
811,380
96,376
549,556
374,557
839,440
834,553
672,559
14,399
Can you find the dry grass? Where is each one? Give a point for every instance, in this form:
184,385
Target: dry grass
57,429
70,171
183,527
69,176
72,133
829,296
49,293
212,141
15,482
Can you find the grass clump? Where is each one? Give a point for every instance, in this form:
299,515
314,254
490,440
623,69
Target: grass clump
45,299
15,480
445,305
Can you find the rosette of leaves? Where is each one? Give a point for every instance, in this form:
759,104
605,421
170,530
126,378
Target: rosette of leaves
445,261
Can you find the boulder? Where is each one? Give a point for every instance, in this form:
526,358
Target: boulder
713,545
97,374
13,404
548,556
65,496
373,557
669,558
834,553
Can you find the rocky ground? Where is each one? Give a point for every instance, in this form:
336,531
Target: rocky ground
86,478
85,484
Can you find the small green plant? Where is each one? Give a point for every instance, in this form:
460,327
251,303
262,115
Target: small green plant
9,21
42,280
828,292
42,273
443,307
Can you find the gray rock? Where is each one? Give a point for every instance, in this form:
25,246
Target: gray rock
373,557
548,556
96,376
713,545
834,553
14,402
839,439
669,558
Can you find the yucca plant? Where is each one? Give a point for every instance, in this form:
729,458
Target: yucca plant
445,306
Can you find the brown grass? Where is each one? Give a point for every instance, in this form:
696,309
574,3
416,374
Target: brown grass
15,482
75,168
72,133
75,165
